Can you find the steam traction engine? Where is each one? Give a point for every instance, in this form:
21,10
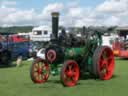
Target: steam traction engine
78,57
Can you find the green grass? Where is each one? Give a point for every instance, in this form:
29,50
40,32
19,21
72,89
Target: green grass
15,81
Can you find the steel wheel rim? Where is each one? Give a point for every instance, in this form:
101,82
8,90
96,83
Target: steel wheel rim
106,64
71,74
40,71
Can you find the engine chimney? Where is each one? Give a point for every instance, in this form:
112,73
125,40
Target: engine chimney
55,23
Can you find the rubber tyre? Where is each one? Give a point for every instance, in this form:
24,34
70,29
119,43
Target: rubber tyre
99,62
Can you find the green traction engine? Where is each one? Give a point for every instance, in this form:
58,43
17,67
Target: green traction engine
73,57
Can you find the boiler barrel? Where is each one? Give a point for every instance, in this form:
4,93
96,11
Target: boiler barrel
74,52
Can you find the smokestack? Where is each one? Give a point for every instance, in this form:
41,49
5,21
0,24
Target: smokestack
84,30
55,23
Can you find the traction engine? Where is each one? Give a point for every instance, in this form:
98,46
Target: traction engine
73,57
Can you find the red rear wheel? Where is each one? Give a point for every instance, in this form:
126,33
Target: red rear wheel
39,71
70,73
103,62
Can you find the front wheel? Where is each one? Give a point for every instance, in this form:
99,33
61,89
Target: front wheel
39,71
103,62
70,73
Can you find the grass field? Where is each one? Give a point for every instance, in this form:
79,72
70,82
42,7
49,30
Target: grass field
16,82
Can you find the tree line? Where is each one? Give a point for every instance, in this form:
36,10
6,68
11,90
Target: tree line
16,29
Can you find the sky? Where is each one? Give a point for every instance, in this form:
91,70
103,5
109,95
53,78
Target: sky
72,12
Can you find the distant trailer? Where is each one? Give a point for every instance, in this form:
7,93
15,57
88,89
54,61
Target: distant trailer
41,33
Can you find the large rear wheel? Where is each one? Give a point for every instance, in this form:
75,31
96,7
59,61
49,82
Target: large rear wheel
39,71
103,63
70,73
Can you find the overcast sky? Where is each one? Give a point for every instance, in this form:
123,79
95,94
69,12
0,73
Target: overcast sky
72,12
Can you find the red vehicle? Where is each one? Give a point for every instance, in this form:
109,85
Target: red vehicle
14,38
18,38
120,45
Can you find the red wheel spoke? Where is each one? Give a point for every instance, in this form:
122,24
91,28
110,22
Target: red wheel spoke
36,66
70,67
110,58
66,73
35,69
74,73
101,64
110,67
37,77
35,74
43,65
45,77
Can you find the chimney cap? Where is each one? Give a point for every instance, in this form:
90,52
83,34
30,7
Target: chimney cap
55,14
